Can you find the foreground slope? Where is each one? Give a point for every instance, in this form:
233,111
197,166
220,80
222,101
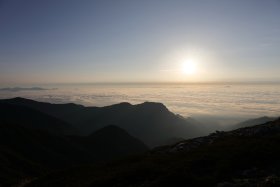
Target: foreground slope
243,157
26,153
110,142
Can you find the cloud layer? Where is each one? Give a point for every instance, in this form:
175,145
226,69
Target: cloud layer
238,100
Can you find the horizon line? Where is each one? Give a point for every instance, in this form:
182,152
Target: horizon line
144,82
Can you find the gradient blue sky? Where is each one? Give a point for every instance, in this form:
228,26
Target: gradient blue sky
65,41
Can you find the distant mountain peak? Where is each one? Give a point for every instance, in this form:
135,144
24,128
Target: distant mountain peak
252,122
153,103
125,103
153,106
122,104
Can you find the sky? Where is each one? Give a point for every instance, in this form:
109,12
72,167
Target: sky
67,41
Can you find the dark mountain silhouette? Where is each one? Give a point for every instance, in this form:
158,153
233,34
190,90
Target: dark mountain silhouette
71,113
110,142
26,152
151,122
33,143
243,157
32,153
30,118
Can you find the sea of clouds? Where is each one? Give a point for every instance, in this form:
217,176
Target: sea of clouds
197,100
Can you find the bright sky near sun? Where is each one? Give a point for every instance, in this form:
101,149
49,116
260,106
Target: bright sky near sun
69,41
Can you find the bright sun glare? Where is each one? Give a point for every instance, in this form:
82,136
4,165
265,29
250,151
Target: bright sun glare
189,67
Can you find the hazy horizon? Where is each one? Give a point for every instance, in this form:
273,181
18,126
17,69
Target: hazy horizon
11,85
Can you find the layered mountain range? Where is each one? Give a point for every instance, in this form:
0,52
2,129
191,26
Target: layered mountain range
44,144
150,122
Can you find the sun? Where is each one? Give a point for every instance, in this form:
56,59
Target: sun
189,67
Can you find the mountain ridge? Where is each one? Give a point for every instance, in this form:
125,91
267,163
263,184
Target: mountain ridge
253,122
34,119
150,122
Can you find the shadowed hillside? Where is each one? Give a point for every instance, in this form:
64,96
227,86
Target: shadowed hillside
31,144
110,142
35,149
30,118
252,122
26,153
243,157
